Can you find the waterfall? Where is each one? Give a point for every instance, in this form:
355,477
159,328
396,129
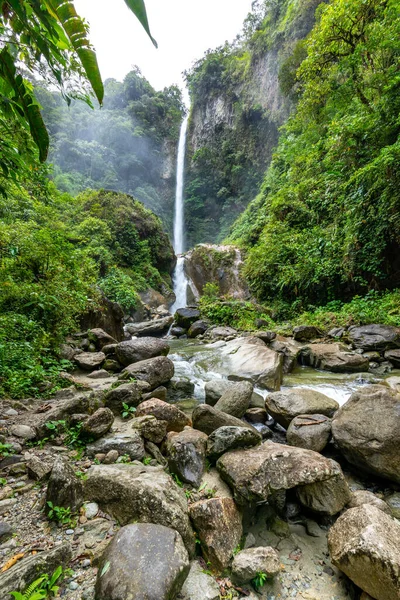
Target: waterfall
179,279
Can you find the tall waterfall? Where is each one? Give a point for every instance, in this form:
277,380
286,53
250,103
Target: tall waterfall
180,281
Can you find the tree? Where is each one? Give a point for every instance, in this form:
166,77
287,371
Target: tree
45,37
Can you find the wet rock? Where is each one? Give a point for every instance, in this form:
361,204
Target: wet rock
198,328
99,423
336,332
24,432
6,531
364,543
228,438
40,468
186,453
236,399
101,374
360,497
393,501
256,415
394,357
304,333
266,336
154,327
179,389
215,388
332,357
156,371
124,443
100,338
88,361
248,563
375,337
199,585
26,571
208,419
178,331
64,488
160,393
136,350
259,473
218,523
135,551
222,333
127,393
150,428
132,492
175,418
309,431
185,317
366,430
285,405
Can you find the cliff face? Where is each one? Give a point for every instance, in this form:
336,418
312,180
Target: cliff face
238,105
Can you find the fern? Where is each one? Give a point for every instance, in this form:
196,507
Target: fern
40,589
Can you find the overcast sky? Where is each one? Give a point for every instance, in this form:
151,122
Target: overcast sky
184,30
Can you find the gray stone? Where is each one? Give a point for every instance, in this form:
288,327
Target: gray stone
198,328
101,374
176,419
304,333
285,405
100,338
221,333
375,337
236,399
160,393
156,371
64,488
88,361
248,563
208,419
154,327
6,531
309,431
98,424
150,428
199,585
215,388
364,543
186,453
112,365
126,393
179,389
91,510
125,443
39,468
185,317
394,357
360,497
133,492
136,350
333,357
393,501
228,438
23,431
111,457
7,505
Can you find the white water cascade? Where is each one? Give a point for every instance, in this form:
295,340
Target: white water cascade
179,279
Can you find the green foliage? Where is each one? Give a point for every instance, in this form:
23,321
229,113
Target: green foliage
60,514
234,313
42,588
129,411
6,450
259,580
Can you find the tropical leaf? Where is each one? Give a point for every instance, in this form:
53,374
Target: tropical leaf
139,9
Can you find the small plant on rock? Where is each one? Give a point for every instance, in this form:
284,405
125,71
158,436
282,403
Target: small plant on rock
42,588
147,460
60,514
6,450
128,411
259,580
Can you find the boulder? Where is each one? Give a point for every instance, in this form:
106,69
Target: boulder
248,563
222,333
186,453
136,350
367,431
215,388
218,523
64,488
177,331
229,438
331,357
155,327
133,492
180,388
364,543
305,333
208,419
375,337
127,393
101,374
88,361
24,432
134,553
236,399
156,371
289,349
309,431
393,356
100,338
393,501
198,328
98,424
150,428
285,405
25,572
255,475
360,497
160,393
250,359
124,443
40,468
266,336
199,585
185,317
175,418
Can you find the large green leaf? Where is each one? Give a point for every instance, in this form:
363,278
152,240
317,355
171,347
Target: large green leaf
139,9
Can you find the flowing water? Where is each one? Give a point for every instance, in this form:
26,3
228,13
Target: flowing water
179,279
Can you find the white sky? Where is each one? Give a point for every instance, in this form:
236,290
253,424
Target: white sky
184,30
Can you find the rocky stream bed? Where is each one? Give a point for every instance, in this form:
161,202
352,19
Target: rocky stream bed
238,455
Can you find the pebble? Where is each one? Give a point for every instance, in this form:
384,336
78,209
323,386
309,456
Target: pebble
91,510
69,532
11,412
86,563
73,585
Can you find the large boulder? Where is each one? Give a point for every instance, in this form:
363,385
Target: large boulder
199,585
124,443
64,488
186,453
218,523
364,543
100,338
257,474
236,399
215,388
393,356
89,361
333,357
124,568
176,419
185,317
367,431
375,337
180,388
98,424
229,438
198,328
309,431
150,428
248,563
133,351
208,419
156,371
250,359
140,493
360,497
305,333
289,349
155,327
285,405
126,393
